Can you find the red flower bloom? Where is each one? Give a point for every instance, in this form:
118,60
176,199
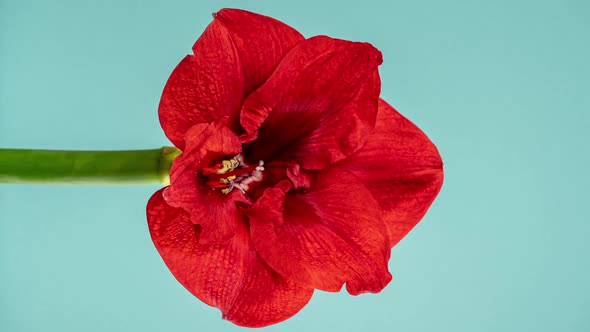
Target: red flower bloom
294,175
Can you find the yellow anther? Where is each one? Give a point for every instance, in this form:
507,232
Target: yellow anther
228,165
228,179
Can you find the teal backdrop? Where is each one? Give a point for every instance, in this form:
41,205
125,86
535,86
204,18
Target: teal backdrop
502,87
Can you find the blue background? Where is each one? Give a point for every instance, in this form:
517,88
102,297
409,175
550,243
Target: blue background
502,87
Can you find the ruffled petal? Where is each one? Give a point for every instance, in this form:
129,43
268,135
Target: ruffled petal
327,236
214,211
229,276
401,167
318,106
260,41
204,87
236,54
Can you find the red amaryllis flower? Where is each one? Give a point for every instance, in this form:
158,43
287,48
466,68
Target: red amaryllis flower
294,175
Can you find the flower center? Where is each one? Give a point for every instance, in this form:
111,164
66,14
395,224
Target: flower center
233,173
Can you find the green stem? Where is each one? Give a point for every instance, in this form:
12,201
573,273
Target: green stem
86,167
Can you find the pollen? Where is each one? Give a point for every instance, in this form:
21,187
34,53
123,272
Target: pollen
228,179
228,165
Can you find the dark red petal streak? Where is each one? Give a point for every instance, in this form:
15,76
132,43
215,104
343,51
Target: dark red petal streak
318,106
204,87
229,276
214,211
324,237
401,167
235,55
260,41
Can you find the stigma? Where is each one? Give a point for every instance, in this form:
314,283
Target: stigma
233,174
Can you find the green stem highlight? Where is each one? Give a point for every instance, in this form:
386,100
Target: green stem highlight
87,167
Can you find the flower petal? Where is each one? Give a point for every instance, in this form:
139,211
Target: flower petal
324,237
261,42
237,52
325,91
213,211
401,167
229,276
204,87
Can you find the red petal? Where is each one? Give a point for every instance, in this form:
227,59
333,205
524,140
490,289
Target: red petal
401,167
237,52
324,237
230,276
213,211
318,106
204,87
261,42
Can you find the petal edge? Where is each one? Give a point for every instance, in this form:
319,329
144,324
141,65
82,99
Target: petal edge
325,237
401,167
326,92
230,277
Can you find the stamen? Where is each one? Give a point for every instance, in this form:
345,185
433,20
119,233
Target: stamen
229,189
228,179
228,165
233,173
223,167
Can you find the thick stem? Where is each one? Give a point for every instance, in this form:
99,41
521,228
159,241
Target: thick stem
86,167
